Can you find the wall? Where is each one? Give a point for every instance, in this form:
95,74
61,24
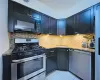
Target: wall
4,42
68,41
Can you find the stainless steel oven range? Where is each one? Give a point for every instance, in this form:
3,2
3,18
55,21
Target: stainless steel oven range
28,60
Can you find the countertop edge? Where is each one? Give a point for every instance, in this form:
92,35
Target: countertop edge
85,49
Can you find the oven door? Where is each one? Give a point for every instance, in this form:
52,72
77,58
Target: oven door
27,68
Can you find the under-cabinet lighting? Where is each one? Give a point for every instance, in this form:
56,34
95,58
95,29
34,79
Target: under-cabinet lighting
77,34
47,34
61,36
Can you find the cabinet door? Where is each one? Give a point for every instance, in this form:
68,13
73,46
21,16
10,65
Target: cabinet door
45,24
61,26
51,61
84,21
10,17
53,26
22,12
70,25
80,64
62,59
21,8
36,16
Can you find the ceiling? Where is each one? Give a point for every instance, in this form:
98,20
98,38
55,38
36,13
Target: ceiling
60,4
59,8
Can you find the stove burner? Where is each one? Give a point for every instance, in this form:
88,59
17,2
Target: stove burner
26,50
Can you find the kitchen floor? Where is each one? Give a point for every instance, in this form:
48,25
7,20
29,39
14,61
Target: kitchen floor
61,75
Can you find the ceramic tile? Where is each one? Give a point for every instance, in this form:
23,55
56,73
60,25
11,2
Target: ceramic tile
61,75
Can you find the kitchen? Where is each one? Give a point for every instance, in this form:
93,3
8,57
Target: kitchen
41,46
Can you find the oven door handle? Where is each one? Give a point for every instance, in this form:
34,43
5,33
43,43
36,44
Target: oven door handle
28,59
17,61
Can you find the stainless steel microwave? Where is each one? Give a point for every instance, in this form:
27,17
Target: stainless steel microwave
22,26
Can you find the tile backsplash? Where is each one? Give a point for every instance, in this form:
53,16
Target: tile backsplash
51,41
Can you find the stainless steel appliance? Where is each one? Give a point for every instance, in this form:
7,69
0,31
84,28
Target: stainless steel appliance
22,26
28,60
97,43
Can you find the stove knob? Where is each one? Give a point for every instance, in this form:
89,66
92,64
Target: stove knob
19,54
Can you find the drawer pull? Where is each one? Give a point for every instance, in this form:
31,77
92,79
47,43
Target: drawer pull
51,51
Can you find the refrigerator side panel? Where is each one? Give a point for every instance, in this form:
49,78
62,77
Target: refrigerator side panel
97,36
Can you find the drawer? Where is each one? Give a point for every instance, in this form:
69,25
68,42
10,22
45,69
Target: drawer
51,52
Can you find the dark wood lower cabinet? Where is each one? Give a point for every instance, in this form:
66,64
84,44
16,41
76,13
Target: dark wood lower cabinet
79,63
51,61
57,59
62,59
6,61
51,64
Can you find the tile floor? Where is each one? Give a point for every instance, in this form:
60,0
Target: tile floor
61,75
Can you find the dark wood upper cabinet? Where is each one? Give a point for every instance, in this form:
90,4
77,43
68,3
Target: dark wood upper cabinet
17,12
22,13
10,17
20,8
48,24
45,24
70,27
53,26
81,23
84,21
37,17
